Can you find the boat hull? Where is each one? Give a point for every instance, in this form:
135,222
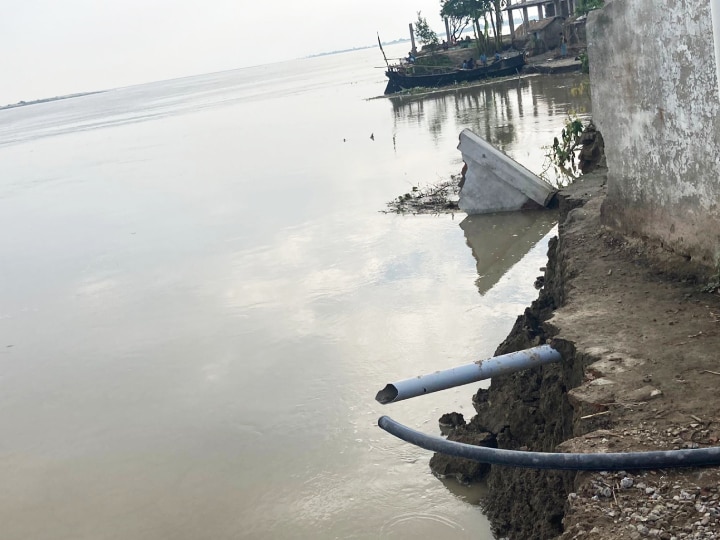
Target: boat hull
399,80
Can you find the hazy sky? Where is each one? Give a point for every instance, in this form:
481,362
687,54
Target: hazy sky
55,47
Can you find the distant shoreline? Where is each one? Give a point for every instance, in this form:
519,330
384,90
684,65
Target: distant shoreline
46,100
385,43
81,94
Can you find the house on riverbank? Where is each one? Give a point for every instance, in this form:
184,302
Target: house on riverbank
546,9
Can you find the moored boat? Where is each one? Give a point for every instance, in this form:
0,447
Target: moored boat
402,77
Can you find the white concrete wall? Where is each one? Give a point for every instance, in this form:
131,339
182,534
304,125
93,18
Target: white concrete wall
655,100
715,6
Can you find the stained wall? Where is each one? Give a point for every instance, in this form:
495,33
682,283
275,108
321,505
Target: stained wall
655,100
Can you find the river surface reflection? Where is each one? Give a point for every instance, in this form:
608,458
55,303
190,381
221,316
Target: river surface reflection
499,241
199,299
517,115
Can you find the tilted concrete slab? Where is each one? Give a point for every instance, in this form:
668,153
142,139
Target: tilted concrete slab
493,182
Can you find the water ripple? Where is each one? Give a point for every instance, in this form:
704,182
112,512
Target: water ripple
404,524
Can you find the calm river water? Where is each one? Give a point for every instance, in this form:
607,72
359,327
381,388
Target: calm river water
199,299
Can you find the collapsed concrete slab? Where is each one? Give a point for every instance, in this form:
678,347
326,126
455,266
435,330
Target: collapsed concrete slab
493,182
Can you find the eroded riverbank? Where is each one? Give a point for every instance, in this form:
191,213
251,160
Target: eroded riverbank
639,336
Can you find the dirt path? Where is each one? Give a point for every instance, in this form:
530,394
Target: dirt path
654,386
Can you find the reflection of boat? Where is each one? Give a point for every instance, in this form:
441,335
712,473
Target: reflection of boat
498,241
407,76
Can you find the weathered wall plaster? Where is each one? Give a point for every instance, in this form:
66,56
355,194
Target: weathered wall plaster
656,102
715,7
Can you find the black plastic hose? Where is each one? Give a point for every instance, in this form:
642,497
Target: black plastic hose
669,459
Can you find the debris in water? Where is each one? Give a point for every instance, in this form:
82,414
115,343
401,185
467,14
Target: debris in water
439,198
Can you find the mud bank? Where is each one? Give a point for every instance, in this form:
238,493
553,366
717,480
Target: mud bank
639,337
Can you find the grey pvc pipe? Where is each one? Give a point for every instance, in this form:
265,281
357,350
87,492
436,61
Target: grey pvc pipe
669,459
468,373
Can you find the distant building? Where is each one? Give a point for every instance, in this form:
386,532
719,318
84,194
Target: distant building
546,9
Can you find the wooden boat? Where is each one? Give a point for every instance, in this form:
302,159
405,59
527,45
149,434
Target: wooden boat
406,76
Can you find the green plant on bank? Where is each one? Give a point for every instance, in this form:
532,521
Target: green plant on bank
584,6
563,149
561,155
584,62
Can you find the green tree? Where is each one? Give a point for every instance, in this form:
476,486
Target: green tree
497,6
480,11
583,6
475,11
424,33
457,14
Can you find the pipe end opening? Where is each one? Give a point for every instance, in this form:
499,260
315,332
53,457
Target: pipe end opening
387,394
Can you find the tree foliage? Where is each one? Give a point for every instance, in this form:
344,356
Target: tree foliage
563,150
584,62
497,6
583,6
458,14
473,11
470,9
424,33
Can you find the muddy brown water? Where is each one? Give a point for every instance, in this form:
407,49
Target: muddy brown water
199,299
